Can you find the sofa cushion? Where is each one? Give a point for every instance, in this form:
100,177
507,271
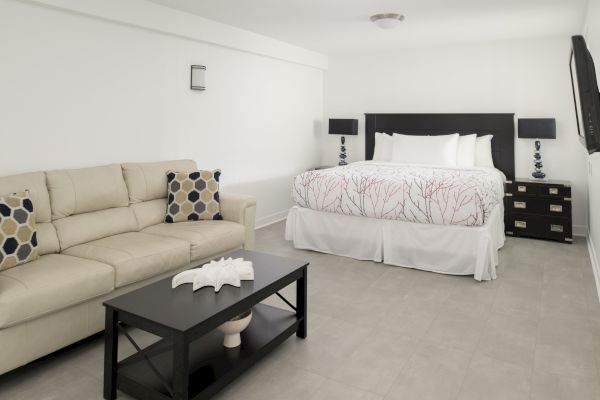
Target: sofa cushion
18,237
47,239
49,284
135,256
77,191
207,238
193,196
83,228
35,183
148,181
149,212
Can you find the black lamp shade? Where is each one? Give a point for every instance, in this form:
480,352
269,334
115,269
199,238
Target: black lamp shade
343,126
537,128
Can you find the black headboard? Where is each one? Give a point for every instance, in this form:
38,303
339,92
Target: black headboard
502,126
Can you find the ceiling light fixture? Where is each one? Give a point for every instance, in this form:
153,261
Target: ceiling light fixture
387,20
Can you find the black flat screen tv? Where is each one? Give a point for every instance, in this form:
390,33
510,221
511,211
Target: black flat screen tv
585,94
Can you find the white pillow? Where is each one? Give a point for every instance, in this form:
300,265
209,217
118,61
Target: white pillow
384,146
437,150
483,151
465,156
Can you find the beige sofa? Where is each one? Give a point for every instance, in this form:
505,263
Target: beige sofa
100,234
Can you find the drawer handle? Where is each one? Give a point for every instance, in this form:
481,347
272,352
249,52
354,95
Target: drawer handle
556,228
520,204
520,224
556,208
521,189
552,190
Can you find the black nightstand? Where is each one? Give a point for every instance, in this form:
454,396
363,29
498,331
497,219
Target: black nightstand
539,209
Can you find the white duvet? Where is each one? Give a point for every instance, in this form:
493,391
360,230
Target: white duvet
407,192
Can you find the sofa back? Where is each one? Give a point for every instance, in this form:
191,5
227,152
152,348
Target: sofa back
78,191
147,186
75,206
35,182
89,204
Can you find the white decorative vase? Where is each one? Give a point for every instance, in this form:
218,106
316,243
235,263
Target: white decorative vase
233,327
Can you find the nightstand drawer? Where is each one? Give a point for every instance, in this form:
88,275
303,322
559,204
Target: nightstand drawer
544,227
555,190
522,188
539,205
538,189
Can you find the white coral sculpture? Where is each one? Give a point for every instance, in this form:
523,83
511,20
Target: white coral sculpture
216,274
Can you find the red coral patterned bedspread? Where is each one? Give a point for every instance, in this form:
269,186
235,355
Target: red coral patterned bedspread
406,192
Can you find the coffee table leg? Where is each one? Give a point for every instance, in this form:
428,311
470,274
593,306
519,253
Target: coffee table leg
111,336
301,303
181,374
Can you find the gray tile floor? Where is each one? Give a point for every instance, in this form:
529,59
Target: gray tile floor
381,332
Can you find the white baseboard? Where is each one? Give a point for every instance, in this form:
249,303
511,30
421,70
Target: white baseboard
271,219
580,230
595,265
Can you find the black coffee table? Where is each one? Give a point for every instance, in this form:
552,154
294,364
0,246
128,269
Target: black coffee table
190,362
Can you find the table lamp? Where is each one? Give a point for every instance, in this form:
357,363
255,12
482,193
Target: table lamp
537,128
343,127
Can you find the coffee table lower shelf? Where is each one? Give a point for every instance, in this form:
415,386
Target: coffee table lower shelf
211,365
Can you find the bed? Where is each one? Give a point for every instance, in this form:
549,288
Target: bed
442,219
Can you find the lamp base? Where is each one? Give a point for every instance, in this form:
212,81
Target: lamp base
538,175
343,152
537,162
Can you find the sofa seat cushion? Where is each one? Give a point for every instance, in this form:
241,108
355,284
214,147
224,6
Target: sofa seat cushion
135,256
50,283
207,238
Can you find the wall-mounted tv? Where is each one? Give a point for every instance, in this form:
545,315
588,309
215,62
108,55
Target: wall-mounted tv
585,94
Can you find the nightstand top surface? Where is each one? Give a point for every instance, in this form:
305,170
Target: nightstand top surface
543,182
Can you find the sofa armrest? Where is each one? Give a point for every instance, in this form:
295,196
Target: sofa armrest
241,209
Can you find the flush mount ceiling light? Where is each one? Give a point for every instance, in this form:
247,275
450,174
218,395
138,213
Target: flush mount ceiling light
387,20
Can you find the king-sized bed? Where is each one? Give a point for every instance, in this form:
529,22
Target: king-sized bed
437,217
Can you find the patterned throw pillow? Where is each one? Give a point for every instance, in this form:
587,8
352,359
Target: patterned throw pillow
193,196
18,241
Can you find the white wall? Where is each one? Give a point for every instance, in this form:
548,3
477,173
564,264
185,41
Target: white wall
78,91
528,77
592,36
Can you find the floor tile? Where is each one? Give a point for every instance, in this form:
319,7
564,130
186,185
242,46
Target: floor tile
376,362
491,379
565,346
558,387
519,298
333,390
432,373
455,330
509,338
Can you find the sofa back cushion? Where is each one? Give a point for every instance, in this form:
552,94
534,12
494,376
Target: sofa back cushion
35,183
78,191
148,181
47,238
83,228
150,212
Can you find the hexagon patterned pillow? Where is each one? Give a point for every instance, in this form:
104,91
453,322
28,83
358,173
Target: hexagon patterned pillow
193,196
18,240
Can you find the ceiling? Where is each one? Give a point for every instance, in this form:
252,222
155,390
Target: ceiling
343,27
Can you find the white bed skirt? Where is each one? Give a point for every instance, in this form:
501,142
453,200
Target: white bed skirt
446,249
